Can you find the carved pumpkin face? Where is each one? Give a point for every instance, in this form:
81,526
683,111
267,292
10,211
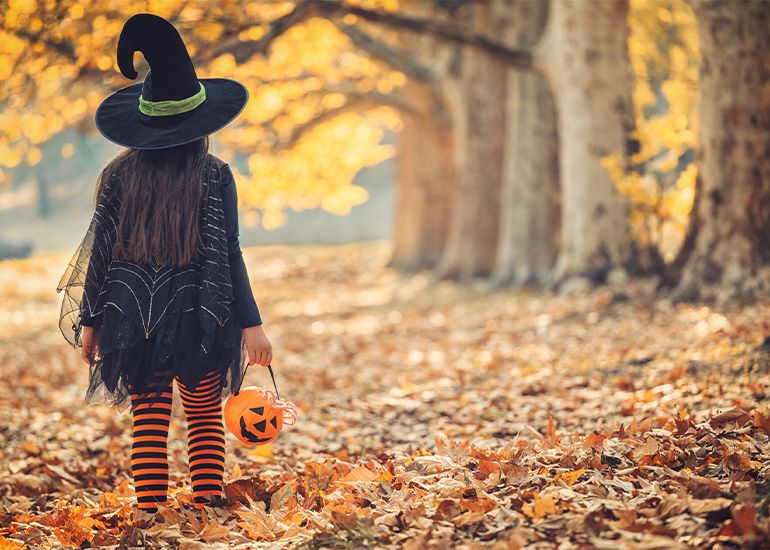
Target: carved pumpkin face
252,418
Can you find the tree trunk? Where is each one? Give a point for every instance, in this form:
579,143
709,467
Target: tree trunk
529,211
729,253
425,181
478,107
584,53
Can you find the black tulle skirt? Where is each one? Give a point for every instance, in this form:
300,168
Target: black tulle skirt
131,363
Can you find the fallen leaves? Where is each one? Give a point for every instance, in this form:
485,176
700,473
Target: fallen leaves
359,473
571,477
540,507
432,417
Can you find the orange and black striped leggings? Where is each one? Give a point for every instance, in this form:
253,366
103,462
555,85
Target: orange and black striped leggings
205,441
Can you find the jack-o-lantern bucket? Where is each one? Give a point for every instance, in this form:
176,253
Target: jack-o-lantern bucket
256,415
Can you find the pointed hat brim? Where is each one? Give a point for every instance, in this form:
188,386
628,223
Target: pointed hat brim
119,120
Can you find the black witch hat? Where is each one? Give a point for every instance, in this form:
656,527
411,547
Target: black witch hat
172,106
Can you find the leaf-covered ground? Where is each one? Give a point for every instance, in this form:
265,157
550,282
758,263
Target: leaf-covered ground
433,416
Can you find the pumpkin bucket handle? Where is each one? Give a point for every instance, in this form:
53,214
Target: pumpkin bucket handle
289,408
272,376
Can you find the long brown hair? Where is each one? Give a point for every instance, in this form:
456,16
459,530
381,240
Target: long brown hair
161,194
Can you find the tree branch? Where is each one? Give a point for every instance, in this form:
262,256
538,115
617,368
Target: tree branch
377,99
305,9
397,59
302,129
519,58
64,48
355,102
244,49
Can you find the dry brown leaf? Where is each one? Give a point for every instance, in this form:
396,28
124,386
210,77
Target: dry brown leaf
417,425
467,518
744,518
10,544
540,507
708,505
214,533
572,477
359,473
736,415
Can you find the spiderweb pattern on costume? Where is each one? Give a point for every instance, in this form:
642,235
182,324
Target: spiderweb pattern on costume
133,302
81,280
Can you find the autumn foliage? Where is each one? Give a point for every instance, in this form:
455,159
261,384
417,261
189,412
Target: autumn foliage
659,180
317,112
431,416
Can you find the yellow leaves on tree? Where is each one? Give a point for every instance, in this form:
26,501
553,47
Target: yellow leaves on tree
317,108
659,181
33,156
314,172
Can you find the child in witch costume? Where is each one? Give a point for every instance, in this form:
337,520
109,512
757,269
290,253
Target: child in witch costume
158,290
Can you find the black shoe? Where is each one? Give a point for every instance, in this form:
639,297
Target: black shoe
213,502
217,502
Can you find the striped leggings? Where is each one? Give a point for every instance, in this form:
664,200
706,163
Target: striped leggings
205,441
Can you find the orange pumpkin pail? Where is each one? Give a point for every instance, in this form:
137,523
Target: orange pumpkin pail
256,415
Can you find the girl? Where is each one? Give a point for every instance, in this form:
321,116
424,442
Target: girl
158,290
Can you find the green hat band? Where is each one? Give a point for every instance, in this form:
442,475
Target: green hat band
172,106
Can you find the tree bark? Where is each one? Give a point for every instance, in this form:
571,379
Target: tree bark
478,105
584,53
529,211
729,253
424,181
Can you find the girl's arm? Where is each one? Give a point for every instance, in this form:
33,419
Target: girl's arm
90,290
257,343
245,305
89,344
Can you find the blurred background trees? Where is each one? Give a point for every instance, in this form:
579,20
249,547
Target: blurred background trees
554,143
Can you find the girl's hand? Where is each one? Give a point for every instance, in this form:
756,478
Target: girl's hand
259,347
90,344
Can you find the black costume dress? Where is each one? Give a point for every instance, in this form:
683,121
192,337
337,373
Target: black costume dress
161,321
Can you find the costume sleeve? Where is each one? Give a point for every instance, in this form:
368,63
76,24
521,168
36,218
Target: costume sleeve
91,288
245,305
86,320
84,277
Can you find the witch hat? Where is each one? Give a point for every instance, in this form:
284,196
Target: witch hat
172,106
